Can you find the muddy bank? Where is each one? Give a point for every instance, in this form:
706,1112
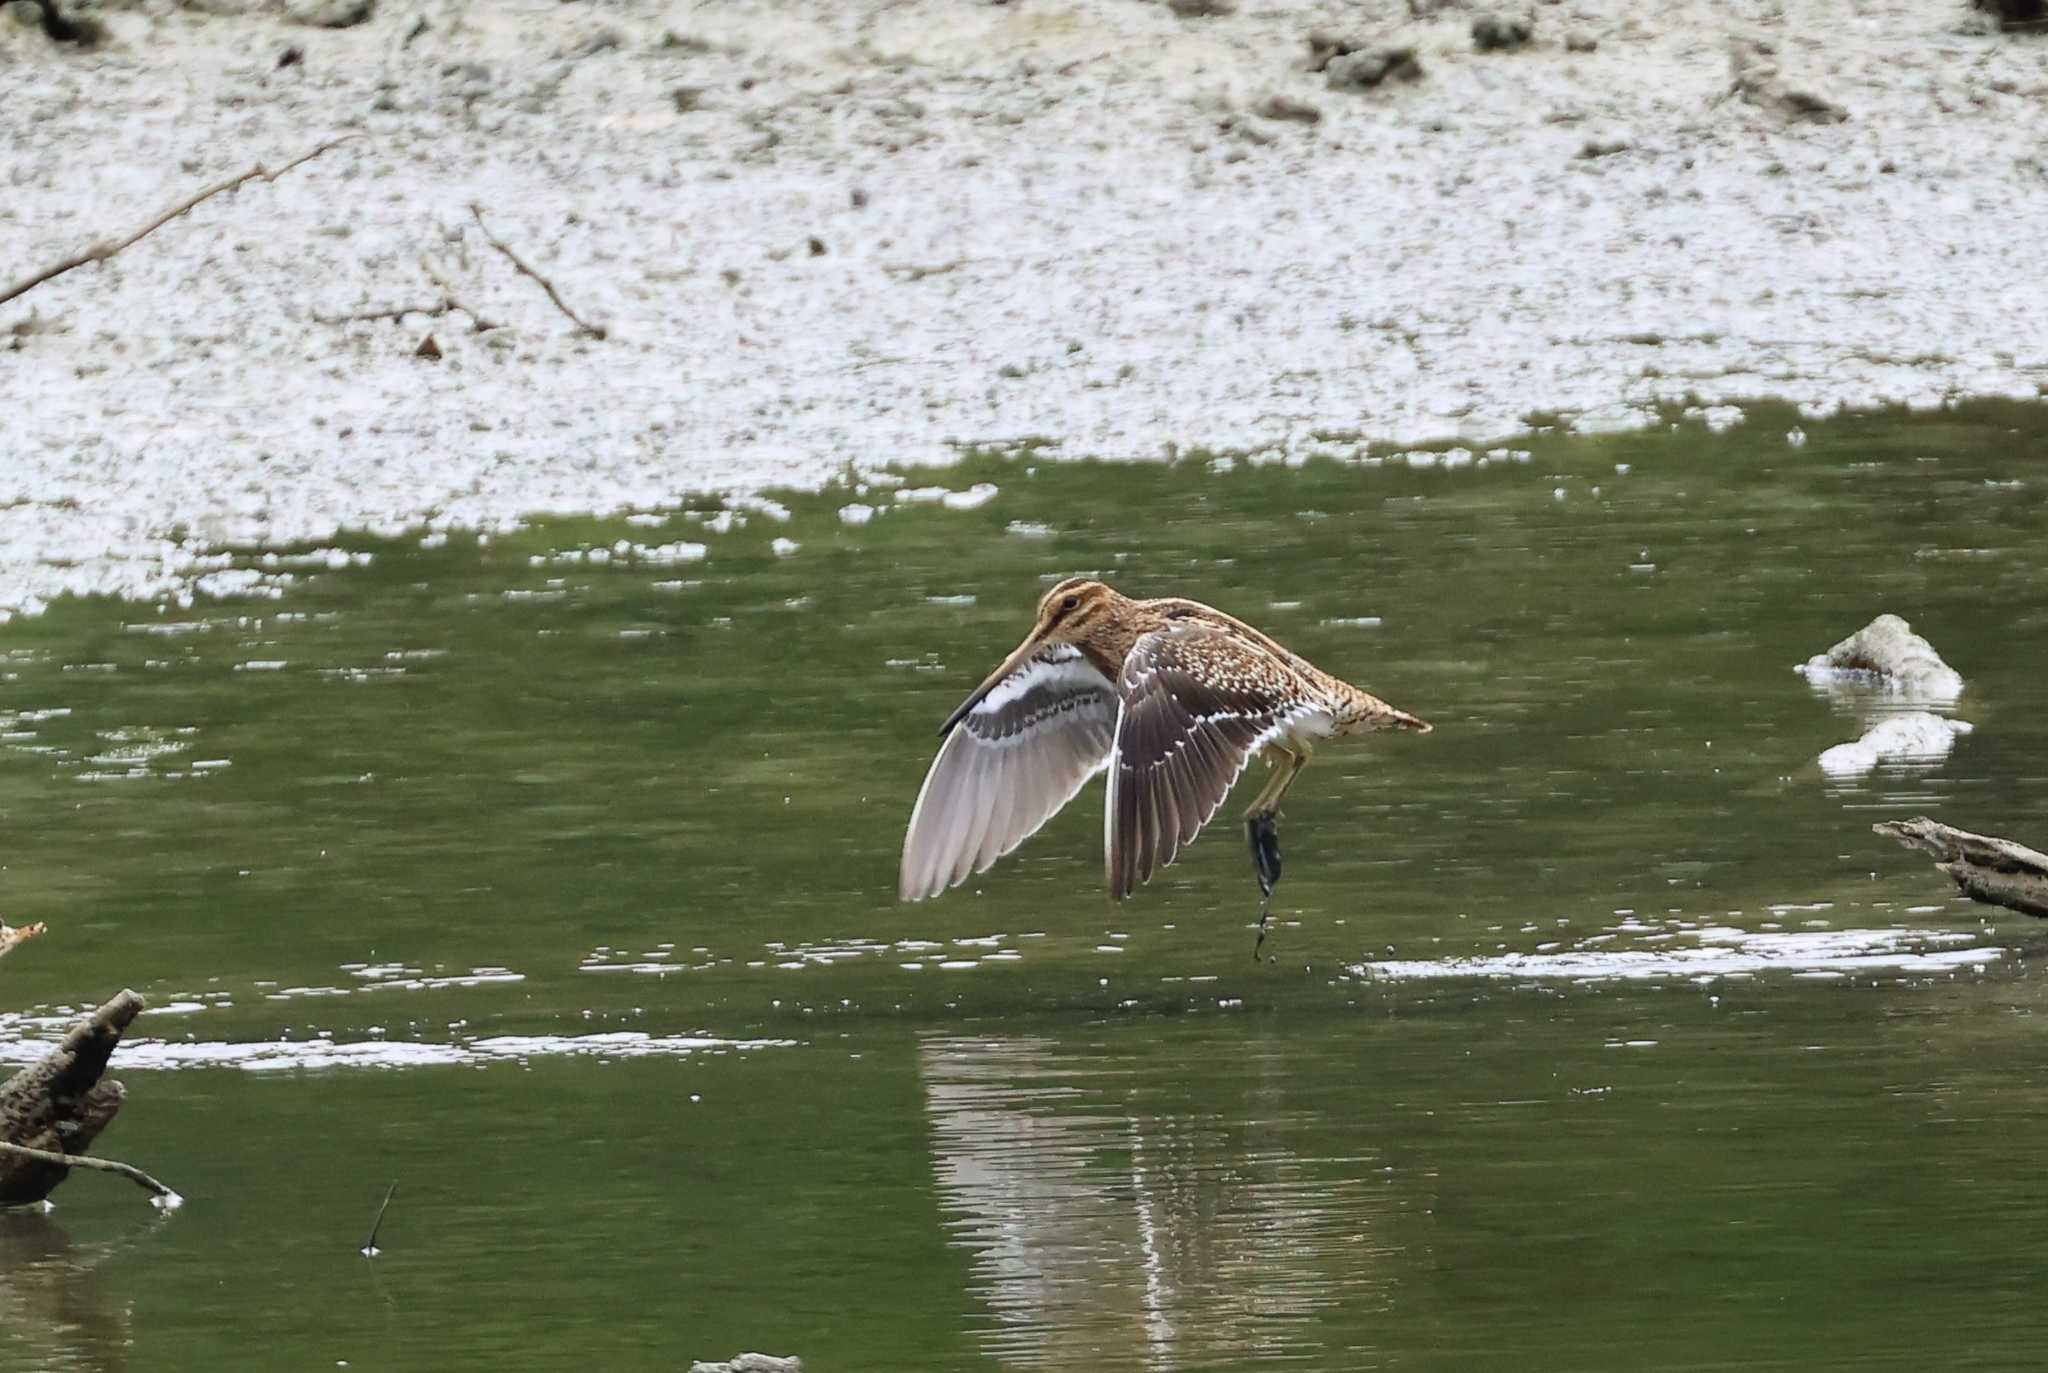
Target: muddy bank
868,233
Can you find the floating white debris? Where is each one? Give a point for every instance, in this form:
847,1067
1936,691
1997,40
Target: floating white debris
856,514
1886,652
1719,419
774,510
1028,529
1914,737
973,498
274,1056
243,581
782,548
670,553
1719,952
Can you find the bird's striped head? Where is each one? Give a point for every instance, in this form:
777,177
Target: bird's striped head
1079,612
1075,611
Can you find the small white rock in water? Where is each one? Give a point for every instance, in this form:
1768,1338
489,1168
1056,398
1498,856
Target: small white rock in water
856,514
1886,652
1917,737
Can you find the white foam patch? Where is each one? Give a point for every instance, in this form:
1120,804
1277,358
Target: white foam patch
1718,951
272,1056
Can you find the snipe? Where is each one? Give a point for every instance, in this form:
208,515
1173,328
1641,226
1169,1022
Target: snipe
1174,698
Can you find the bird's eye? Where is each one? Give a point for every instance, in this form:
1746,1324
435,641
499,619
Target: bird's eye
1070,603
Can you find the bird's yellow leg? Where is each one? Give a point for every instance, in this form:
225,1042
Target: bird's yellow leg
1263,831
1285,769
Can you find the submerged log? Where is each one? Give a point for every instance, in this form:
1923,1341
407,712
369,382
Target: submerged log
60,1105
1986,868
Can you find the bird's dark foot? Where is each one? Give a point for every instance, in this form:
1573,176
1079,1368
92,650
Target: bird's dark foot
1260,942
1263,831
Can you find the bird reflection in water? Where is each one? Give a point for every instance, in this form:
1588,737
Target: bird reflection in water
1104,1232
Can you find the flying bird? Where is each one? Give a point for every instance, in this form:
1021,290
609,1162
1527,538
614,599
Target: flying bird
1171,697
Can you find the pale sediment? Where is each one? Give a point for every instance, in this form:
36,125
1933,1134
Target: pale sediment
868,233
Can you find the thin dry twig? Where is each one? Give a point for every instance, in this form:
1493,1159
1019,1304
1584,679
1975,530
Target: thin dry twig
448,304
100,252
370,1249
13,937
918,272
99,1165
396,314
595,331
477,321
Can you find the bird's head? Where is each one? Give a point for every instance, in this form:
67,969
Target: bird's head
1077,611
1072,612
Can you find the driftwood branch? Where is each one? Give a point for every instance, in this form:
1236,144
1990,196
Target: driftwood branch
100,252
595,331
98,1165
1984,867
53,1110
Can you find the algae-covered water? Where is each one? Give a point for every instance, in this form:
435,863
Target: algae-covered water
1599,1032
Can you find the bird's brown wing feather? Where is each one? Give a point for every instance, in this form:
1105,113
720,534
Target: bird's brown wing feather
1008,766
1197,704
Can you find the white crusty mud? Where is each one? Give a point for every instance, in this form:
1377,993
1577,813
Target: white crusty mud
869,231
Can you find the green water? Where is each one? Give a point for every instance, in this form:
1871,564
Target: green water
1599,1033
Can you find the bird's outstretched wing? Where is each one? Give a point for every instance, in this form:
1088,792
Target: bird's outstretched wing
1007,767
1194,712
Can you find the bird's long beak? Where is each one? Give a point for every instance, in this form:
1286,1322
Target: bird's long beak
1031,645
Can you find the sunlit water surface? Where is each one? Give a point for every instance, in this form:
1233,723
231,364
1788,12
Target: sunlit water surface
552,878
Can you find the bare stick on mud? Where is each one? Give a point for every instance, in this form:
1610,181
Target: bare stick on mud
593,330
101,1165
477,321
448,304
100,252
